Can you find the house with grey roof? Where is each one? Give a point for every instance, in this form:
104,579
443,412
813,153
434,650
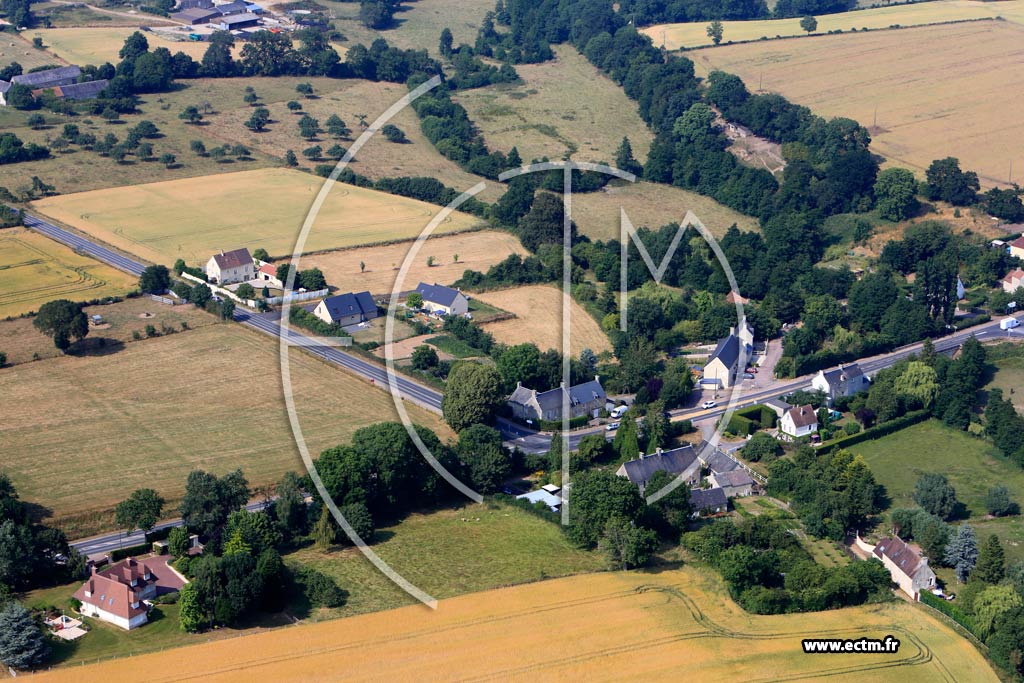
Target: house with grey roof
196,15
4,87
708,501
735,483
347,309
846,380
678,461
586,399
715,459
86,90
443,300
730,358
49,78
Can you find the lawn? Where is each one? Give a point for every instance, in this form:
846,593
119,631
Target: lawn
450,552
599,214
151,411
193,218
690,35
476,251
34,269
563,108
23,343
936,91
611,626
97,44
538,311
1009,375
349,98
971,465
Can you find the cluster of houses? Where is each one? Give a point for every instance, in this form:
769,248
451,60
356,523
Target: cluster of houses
227,16
63,82
724,368
353,308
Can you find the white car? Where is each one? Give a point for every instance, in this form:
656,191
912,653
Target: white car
708,405
612,427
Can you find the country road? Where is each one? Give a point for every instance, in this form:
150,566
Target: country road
527,440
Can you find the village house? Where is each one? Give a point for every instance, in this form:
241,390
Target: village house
86,90
1013,280
117,594
267,273
38,81
908,569
708,501
728,361
226,268
444,300
347,309
846,380
735,484
585,399
678,461
799,421
1016,247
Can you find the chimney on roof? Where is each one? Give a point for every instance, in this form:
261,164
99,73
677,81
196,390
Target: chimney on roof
659,451
642,455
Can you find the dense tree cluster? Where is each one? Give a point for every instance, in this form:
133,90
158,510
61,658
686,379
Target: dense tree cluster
28,550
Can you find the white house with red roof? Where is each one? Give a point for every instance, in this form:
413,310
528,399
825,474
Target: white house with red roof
1013,280
117,595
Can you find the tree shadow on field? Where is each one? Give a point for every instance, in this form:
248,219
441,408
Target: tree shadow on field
36,512
662,566
96,346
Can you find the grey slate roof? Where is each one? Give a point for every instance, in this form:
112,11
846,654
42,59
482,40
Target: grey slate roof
4,86
41,79
238,18
675,461
438,294
728,350
344,305
82,91
195,14
716,460
236,7
708,499
233,259
737,477
581,393
835,376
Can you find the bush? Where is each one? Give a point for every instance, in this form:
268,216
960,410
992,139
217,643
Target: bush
950,610
320,589
741,426
168,598
131,551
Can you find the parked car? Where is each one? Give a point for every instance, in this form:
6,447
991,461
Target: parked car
747,375
751,369
612,426
707,405
619,412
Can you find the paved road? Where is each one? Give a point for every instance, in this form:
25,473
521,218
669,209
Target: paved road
514,435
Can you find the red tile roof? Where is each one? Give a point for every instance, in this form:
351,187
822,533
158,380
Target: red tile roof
268,269
1019,242
901,554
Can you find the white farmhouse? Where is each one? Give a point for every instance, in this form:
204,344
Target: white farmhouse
226,268
799,421
907,568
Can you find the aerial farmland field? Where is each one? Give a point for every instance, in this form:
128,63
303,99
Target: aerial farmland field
95,45
193,218
694,34
974,115
476,251
152,410
34,269
563,108
538,310
599,627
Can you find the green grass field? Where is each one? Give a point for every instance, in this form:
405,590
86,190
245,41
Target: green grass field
689,35
151,411
34,269
451,552
1009,373
193,218
563,108
417,25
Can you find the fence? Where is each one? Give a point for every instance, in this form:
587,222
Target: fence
219,290
296,296
164,300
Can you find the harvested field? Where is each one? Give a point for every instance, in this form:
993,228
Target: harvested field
153,410
193,218
95,45
538,310
690,35
476,251
378,158
34,269
598,214
601,627
938,91
563,108
14,48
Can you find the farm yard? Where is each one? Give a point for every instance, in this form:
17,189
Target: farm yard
153,410
538,310
563,108
35,269
350,98
476,251
599,627
973,116
598,215
194,218
691,35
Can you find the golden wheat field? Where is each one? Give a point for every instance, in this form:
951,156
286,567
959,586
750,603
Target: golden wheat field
538,311
670,626
34,269
476,251
193,218
937,91
694,34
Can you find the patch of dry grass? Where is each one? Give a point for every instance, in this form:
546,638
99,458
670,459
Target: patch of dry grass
538,311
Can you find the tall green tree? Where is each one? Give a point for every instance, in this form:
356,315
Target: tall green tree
480,449
472,395
627,545
62,320
991,565
209,500
325,532
715,31
962,552
22,645
596,497
141,510
896,194
934,493
155,280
